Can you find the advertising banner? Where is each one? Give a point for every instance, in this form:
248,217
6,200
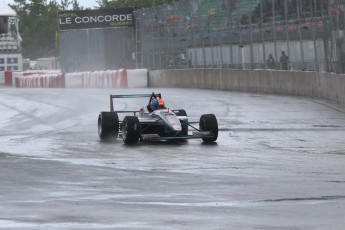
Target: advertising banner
87,19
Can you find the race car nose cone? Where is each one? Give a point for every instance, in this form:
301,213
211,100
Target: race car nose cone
171,120
176,127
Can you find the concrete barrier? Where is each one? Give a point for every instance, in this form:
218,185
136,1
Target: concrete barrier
319,85
97,79
328,86
137,78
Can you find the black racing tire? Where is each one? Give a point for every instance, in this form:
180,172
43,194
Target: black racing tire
208,122
130,130
108,125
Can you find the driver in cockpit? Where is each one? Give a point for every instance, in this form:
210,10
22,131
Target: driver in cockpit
157,103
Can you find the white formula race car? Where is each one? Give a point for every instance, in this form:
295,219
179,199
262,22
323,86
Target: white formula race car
158,125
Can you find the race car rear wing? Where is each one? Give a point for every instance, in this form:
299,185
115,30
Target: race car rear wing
152,95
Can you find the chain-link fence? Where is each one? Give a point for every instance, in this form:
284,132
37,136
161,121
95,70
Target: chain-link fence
242,34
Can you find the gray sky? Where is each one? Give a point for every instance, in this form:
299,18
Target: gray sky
85,3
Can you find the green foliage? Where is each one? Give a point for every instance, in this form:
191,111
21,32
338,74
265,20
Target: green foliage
131,3
38,25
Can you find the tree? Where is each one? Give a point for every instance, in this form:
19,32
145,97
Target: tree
38,25
65,5
131,3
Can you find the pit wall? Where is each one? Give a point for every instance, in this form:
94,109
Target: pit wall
319,85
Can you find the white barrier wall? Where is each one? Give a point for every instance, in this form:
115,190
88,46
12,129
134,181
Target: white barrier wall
328,86
97,79
137,78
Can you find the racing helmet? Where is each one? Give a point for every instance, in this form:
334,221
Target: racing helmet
160,103
154,104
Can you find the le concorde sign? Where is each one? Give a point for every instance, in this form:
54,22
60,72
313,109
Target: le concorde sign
87,19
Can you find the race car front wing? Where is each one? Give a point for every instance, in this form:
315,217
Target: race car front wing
195,134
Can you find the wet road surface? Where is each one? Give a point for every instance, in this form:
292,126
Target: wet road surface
278,163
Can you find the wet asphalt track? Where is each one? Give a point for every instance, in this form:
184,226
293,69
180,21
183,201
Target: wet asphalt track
279,163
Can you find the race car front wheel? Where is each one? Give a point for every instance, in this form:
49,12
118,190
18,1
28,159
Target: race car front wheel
208,122
108,125
130,130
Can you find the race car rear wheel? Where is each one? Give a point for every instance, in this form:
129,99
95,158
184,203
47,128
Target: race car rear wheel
130,129
208,122
108,125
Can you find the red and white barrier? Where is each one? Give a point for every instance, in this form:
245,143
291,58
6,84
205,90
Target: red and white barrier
99,79
41,81
9,77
